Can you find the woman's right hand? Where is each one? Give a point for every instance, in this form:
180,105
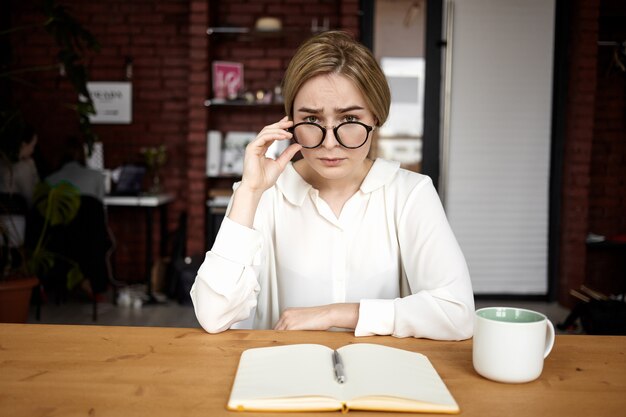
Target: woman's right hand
259,171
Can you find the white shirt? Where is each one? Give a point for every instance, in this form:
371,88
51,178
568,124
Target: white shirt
19,178
391,250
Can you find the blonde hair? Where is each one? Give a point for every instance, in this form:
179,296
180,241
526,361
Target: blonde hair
336,52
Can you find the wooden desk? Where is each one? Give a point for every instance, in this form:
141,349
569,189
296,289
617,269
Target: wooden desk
149,203
56,370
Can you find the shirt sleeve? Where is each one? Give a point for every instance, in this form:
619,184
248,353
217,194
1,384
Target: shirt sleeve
226,287
441,302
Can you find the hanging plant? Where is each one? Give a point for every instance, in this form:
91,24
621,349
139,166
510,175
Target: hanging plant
73,42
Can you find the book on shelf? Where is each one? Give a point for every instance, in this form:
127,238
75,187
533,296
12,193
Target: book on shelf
303,377
213,153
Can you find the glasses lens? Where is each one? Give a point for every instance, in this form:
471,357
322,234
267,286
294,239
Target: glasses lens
308,135
352,135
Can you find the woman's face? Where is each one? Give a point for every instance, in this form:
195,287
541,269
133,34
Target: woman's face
329,100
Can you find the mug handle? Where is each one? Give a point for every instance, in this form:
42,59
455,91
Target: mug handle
549,338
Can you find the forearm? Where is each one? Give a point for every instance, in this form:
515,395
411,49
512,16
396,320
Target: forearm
441,314
226,285
343,315
244,205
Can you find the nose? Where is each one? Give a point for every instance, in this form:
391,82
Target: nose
330,141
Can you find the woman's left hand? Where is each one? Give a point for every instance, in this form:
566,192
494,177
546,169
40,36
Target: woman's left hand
344,315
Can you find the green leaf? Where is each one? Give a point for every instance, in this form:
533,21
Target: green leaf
41,262
74,276
58,204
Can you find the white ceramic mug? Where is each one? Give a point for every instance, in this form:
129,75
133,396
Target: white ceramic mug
510,343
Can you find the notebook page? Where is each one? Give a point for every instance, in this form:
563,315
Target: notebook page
376,370
284,371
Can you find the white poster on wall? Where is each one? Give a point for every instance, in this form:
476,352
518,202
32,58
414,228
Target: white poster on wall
112,101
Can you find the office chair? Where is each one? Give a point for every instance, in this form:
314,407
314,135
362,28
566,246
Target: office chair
85,240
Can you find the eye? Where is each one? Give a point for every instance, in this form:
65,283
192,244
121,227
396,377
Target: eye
311,119
350,118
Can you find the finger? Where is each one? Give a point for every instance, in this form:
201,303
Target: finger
279,325
266,138
287,154
276,131
284,123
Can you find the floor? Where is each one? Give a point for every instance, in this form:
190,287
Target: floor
169,313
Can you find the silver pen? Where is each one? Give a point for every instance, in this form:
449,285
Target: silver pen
340,375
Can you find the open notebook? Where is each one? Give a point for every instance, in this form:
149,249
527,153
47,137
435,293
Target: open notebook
302,378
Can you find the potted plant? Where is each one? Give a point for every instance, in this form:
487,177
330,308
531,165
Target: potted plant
56,205
18,268
16,282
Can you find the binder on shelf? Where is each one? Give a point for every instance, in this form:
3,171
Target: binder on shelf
214,153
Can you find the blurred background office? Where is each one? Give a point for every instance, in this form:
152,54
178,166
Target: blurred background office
515,108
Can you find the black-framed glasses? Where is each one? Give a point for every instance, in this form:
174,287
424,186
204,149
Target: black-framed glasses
350,135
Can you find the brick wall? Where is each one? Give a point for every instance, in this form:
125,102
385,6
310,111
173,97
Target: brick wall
170,51
594,189
607,194
197,92
577,155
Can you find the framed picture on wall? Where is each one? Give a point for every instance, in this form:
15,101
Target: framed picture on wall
113,102
227,79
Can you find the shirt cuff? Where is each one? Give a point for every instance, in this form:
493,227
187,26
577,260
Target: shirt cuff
376,317
236,243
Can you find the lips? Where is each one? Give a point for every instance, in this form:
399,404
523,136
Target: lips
331,162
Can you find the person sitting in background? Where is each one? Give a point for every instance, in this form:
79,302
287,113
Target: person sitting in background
18,177
21,176
86,239
74,170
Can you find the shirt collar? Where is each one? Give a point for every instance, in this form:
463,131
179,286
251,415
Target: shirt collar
381,174
295,188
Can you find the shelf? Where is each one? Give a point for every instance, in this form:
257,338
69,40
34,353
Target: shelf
226,30
231,30
239,103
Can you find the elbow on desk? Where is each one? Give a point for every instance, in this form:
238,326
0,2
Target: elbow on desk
466,331
213,312
202,308
463,325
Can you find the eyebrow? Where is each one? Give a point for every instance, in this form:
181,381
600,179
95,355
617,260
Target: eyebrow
338,110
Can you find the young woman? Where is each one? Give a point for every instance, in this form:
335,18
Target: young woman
334,240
